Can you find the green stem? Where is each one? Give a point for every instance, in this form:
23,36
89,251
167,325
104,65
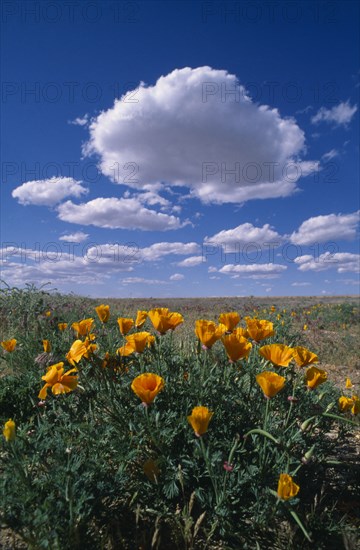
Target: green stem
229,460
149,430
291,404
210,471
297,519
263,452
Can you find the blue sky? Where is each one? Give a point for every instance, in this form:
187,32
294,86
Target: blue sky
181,148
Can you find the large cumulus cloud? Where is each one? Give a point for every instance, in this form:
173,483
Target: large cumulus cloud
191,129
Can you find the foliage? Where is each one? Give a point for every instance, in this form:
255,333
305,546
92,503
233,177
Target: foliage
95,468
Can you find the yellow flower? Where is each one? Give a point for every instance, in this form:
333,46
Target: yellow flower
62,326
208,332
259,329
314,377
286,487
270,383
237,347
46,346
89,346
47,313
58,381
356,405
279,354
164,320
103,313
76,352
230,320
305,327
82,328
272,309
240,331
140,318
345,403
199,420
9,345
106,360
9,430
147,386
136,343
348,384
125,324
304,357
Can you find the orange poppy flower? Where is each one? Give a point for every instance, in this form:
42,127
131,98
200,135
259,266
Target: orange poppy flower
270,383
136,343
140,318
125,324
62,326
237,347
147,386
9,345
230,320
82,328
199,420
58,381
46,346
259,329
9,430
304,357
80,349
279,354
208,332
103,313
286,487
356,405
345,403
314,377
164,320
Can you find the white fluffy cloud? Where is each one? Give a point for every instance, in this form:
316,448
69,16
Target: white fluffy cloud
188,130
253,270
301,284
159,250
192,261
330,155
80,121
244,234
326,228
343,262
117,214
132,253
340,114
86,264
177,277
77,237
141,280
58,267
48,192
